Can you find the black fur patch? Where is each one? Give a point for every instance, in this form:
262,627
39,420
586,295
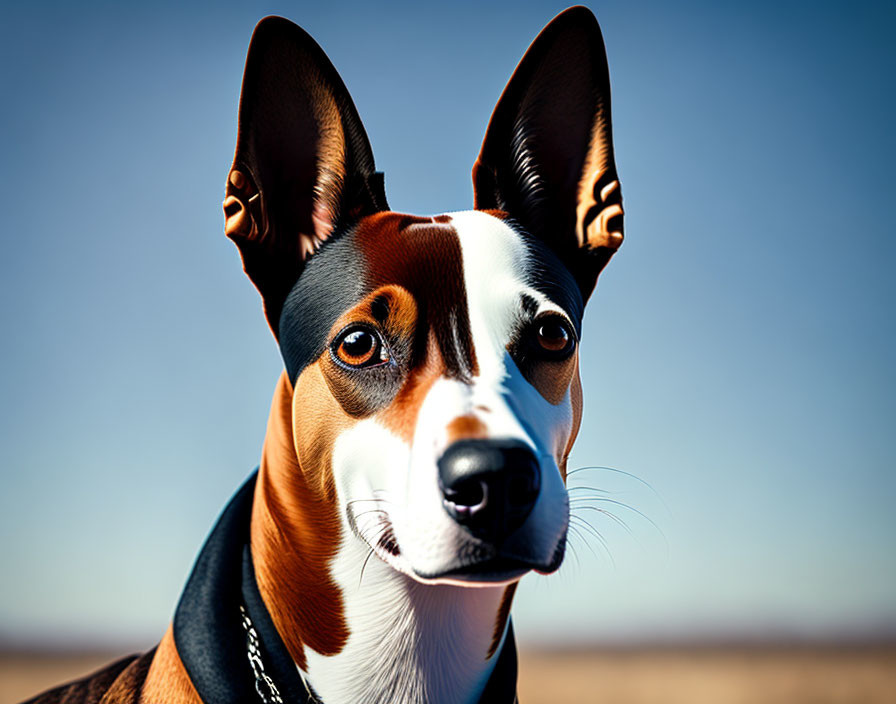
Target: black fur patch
547,274
332,282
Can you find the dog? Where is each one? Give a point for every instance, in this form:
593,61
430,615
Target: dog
415,459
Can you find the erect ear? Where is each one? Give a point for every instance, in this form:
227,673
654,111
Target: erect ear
547,157
303,165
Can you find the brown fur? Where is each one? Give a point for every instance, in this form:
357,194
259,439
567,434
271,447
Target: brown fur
577,399
295,527
167,680
551,378
398,326
467,427
424,257
119,683
501,619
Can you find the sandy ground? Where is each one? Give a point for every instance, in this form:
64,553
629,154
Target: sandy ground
694,676
711,677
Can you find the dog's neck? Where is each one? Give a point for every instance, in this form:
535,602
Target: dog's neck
376,637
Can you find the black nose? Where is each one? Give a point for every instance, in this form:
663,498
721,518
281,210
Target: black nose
489,486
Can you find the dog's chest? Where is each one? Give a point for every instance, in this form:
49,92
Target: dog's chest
400,649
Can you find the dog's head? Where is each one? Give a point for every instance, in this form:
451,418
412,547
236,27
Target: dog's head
433,361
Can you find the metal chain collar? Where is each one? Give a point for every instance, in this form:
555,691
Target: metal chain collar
264,685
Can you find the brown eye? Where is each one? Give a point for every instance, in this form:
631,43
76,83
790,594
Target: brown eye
554,337
359,346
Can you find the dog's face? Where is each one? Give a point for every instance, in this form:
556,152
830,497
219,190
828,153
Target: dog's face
433,360
445,380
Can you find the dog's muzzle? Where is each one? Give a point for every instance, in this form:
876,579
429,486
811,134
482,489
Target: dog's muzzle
489,487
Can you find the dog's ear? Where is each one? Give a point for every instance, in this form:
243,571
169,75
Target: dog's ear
547,157
303,165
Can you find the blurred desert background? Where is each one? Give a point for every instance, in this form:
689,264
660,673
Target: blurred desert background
682,675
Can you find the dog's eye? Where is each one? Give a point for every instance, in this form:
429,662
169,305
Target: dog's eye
554,336
358,346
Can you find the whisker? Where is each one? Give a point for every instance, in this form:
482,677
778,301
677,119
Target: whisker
573,552
591,490
634,510
363,566
609,514
382,529
574,529
596,533
583,523
583,499
356,501
601,468
370,510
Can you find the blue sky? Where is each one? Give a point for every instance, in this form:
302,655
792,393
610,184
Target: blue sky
737,357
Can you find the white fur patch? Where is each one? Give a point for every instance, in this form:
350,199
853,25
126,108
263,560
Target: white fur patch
401,625
400,630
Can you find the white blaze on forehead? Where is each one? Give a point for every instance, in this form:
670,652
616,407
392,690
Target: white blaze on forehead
497,266
495,262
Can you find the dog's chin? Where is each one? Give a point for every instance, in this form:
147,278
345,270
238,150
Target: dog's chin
488,568
491,567
492,572
470,562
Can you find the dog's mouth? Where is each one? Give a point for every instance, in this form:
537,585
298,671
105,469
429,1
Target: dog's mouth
476,562
486,564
